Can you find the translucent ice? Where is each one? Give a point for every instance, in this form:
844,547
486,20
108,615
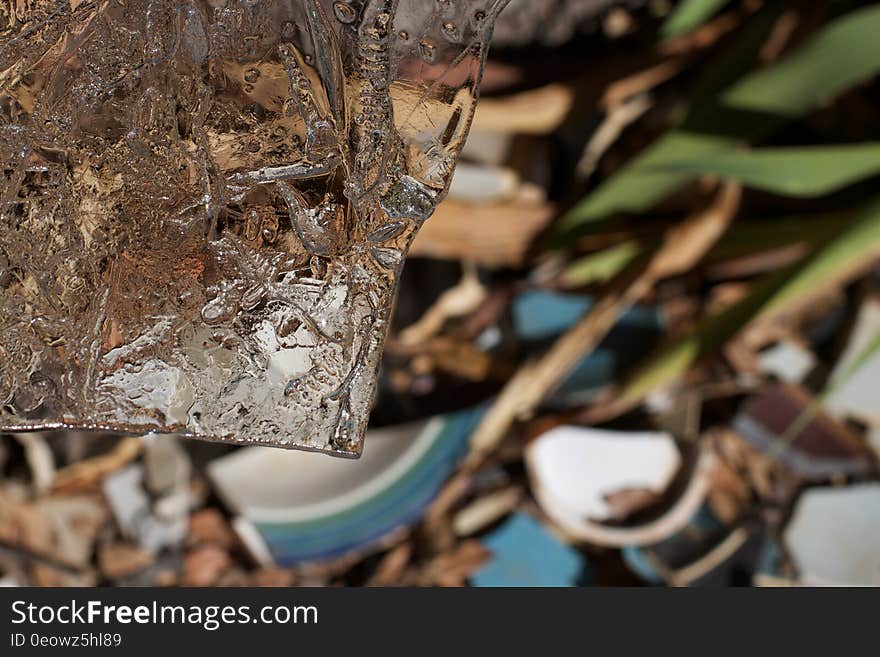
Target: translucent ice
205,206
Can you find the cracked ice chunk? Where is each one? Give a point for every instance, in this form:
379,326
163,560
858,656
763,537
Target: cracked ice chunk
204,207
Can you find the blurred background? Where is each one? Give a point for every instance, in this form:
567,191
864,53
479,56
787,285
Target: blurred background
638,344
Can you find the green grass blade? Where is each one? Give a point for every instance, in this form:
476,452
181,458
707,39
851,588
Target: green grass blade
642,183
688,15
602,265
741,239
855,245
844,53
802,172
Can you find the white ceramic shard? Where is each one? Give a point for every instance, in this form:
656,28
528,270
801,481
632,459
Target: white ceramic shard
834,536
266,486
577,468
857,395
483,184
787,360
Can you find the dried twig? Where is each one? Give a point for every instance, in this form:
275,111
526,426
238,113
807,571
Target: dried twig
682,248
462,299
82,475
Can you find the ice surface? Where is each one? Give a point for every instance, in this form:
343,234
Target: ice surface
205,206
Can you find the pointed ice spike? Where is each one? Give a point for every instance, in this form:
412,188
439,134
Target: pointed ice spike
320,129
374,71
327,58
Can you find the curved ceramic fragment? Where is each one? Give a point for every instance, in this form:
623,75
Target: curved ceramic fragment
310,508
576,470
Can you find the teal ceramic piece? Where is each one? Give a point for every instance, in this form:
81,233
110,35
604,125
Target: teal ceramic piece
540,316
310,508
526,554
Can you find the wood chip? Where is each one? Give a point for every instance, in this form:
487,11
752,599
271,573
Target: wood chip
23,526
703,37
204,565
497,235
392,567
120,560
535,112
45,575
209,526
459,300
455,567
626,88
615,122
60,530
485,510
273,577
40,460
89,473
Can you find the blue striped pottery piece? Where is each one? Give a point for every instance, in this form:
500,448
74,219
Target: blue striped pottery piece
392,497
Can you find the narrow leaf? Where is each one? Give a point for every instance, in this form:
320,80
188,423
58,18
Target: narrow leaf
854,246
802,172
741,239
844,53
688,15
600,266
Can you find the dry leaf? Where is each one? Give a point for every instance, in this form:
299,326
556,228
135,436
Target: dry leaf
535,112
88,473
682,248
497,235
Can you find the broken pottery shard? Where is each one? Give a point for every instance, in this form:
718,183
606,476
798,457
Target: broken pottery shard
306,508
205,206
580,469
834,536
524,553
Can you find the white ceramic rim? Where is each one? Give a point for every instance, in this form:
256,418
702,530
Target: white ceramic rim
384,480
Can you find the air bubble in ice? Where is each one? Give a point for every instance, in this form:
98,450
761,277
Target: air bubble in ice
387,232
427,50
344,12
388,258
408,199
450,30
